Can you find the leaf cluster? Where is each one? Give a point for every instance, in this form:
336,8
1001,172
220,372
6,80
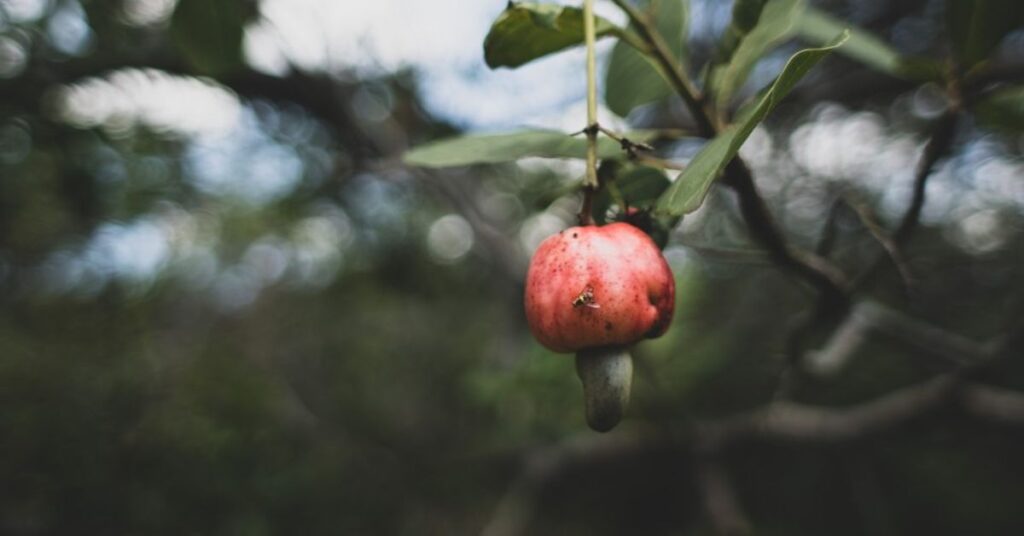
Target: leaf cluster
635,78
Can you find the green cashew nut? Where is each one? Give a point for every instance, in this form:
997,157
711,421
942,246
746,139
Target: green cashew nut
607,376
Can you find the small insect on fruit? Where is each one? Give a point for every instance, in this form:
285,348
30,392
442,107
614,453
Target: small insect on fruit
586,299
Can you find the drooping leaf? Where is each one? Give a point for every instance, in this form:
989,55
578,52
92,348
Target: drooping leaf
494,148
1003,109
776,23
976,26
633,78
687,192
209,34
817,28
527,31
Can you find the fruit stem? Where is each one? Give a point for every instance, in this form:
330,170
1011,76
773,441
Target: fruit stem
592,129
607,376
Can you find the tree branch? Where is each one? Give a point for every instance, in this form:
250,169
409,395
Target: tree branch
994,403
789,422
819,272
816,270
871,223
939,144
814,424
869,317
670,68
776,421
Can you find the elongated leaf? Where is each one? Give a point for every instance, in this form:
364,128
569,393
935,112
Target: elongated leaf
526,31
687,192
494,148
817,28
977,26
632,78
1003,109
777,22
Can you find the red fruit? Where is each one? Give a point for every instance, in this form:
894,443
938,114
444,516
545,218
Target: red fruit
590,287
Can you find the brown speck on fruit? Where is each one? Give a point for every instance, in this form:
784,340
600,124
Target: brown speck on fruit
574,235
608,326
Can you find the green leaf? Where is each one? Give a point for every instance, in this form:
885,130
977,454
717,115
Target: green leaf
687,192
641,185
745,14
526,31
1003,109
632,78
777,22
977,26
636,186
494,148
817,28
209,34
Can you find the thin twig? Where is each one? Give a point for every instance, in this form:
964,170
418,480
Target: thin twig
939,144
637,151
871,223
631,147
827,238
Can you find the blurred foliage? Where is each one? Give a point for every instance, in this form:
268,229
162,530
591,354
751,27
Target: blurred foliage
279,329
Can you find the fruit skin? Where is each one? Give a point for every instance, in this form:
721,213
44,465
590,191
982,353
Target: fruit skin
633,291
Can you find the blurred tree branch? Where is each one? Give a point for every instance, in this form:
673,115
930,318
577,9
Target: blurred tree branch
781,421
786,421
940,141
869,317
870,221
850,330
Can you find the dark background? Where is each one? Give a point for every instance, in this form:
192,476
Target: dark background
347,354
